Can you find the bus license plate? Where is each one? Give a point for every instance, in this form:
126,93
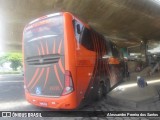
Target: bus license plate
43,103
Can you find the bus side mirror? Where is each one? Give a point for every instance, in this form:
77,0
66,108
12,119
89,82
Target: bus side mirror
78,29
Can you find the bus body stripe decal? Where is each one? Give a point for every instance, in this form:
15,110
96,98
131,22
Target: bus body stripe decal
98,41
91,83
55,68
60,61
34,76
56,72
59,49
36,71
48,69
38,78
103,53
47,48
42,48
54,47
61,66
47,74
39,51
42,70
95,47
97,52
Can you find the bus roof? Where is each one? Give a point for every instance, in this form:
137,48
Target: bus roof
46,16
55,14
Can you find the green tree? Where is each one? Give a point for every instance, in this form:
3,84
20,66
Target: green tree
3,59
14,58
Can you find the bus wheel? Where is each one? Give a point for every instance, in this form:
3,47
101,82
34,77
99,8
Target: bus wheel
107,86
100,91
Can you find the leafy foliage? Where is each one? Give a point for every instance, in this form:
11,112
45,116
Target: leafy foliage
14,58
3,59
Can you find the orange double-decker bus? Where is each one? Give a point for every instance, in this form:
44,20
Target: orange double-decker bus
67,63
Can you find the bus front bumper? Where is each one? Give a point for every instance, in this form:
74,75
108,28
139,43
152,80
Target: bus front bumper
62,102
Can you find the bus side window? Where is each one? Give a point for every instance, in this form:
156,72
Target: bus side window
86,40
83,36
77,29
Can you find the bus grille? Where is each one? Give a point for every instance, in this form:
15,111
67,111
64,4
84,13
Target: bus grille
43,59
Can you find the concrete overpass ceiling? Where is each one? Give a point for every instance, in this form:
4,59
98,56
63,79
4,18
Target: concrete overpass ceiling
126,22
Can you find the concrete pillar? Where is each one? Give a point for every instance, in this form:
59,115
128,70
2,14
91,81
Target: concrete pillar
144,49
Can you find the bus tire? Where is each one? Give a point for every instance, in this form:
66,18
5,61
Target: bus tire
100,92
107,86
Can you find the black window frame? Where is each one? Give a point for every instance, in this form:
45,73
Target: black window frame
80,37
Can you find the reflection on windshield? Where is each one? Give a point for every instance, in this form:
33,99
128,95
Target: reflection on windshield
47,28
42,37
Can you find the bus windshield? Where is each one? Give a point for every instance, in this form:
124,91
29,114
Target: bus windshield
43,48
47,28
43,32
